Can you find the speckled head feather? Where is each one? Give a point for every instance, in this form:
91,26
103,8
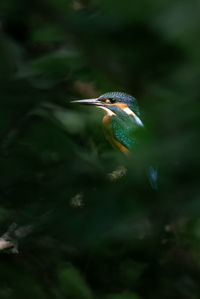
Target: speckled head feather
122,97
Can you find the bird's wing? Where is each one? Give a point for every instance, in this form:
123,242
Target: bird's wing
123,130
126,131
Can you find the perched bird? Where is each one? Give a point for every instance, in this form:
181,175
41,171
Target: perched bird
121,123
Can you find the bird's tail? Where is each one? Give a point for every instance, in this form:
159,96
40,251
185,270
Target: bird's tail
153,177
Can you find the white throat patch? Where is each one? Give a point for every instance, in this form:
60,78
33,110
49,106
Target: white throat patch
108,111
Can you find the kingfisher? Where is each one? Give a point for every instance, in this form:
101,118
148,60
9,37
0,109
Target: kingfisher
121,123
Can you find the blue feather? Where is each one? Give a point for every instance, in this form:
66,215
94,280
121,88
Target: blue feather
153,176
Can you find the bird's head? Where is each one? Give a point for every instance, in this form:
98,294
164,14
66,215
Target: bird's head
113,102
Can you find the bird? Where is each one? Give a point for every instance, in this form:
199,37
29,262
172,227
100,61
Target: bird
121,123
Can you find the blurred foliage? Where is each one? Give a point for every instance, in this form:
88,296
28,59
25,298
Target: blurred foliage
93,238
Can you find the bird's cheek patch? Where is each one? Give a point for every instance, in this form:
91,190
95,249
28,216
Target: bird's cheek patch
121,106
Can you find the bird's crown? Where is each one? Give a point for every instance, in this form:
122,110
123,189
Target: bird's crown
121,97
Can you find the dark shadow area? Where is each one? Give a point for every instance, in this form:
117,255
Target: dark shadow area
67,231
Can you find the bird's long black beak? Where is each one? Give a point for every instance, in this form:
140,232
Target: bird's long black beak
95,102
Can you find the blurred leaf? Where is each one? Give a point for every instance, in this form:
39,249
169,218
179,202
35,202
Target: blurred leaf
47,34
73,284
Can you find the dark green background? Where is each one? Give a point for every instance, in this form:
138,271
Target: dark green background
89,237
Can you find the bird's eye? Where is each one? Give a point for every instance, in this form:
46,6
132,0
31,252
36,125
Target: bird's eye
105,100
112,100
